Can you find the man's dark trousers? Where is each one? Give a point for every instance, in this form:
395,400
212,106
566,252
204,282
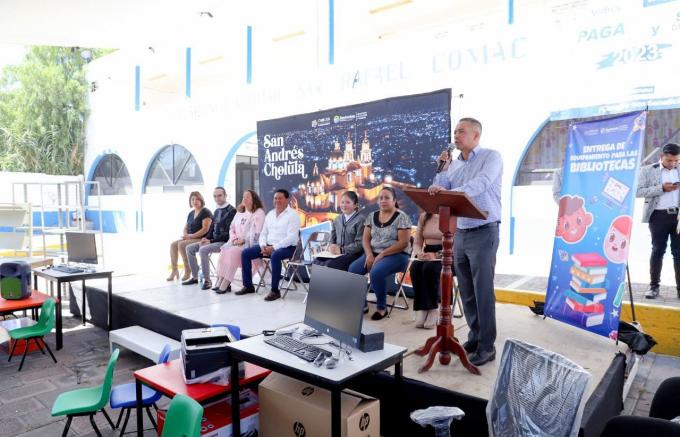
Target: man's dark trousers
662,226
276,259
475,264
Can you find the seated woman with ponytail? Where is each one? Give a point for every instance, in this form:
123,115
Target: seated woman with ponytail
347,234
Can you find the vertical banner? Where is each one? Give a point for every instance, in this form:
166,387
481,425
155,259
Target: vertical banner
364,147
594,223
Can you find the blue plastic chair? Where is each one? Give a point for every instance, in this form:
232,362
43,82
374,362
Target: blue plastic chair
235,330
124,396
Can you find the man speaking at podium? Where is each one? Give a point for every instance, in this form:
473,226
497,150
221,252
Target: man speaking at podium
476,172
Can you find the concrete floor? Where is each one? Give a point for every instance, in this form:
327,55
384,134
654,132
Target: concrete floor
26,398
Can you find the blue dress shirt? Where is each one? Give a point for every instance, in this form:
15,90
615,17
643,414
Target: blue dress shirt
480,178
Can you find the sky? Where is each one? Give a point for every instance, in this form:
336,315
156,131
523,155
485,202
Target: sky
11,54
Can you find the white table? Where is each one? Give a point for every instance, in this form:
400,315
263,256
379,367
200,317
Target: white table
255,350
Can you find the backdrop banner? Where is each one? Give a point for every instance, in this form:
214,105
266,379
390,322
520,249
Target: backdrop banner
594,223
363,147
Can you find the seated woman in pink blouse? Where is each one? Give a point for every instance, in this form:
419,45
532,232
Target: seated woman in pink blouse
244,232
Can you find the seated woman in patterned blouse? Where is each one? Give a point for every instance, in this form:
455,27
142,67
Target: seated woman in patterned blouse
386,239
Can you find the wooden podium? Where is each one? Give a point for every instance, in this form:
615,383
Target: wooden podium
449,205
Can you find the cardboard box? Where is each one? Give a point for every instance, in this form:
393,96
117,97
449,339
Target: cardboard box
289,407
217,417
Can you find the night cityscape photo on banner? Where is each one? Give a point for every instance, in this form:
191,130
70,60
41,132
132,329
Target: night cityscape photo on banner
364,147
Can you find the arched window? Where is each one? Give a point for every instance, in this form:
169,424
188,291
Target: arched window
547,150
112,175
173,168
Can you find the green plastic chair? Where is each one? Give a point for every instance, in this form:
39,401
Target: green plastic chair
183,418
87,401
35,332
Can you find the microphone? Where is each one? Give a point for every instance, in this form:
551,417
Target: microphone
442,163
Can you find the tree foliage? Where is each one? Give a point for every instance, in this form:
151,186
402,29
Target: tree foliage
43,108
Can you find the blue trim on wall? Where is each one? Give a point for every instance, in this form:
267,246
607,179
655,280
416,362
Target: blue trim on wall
148,166
511,11
140,225
187,84
648,3
51,218
249,54
138,83
110,218
514,179
512,234
230,155
331,32
93,167
90,173
146,176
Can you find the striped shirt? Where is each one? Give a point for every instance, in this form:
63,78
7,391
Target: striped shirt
480,178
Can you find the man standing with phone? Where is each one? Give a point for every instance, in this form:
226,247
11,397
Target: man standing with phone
659,184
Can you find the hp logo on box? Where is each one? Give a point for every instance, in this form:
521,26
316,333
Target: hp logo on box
299,430
364,422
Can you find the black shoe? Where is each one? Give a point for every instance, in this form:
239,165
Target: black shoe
480,358
207,285
216,288
245,290
470,346
653,293
219,291
273,295
377,316
190,281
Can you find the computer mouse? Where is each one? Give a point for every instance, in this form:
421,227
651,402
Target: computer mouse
318,362
331,363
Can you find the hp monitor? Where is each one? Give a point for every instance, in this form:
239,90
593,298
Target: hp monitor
335,303
81,247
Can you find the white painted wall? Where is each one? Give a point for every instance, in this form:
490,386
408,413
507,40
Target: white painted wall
511,77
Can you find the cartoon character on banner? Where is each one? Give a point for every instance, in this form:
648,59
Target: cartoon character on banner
617,239
573,220
615,247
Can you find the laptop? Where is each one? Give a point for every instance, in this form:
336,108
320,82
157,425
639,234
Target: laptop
81,248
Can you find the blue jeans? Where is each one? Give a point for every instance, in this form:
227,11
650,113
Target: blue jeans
254,252
390,264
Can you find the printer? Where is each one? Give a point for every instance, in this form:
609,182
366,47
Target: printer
204,351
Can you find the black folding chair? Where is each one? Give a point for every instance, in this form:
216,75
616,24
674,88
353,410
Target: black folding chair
262,273
400,290
266,262
317,242
402,294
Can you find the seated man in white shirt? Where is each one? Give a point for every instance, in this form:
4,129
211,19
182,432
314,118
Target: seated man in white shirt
278,240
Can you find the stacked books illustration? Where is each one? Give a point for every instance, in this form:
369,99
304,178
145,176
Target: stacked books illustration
587,290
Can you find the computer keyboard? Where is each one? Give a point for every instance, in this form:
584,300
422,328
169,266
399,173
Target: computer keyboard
67,269
305,351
